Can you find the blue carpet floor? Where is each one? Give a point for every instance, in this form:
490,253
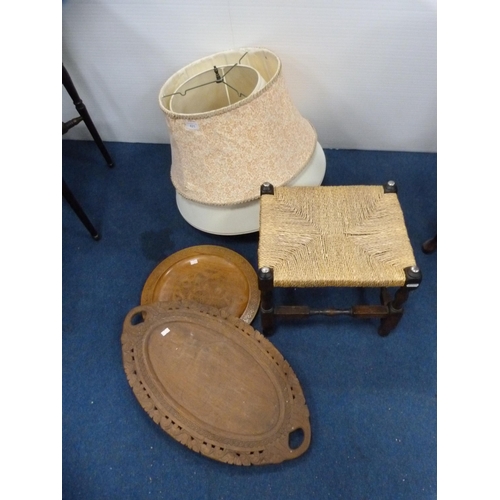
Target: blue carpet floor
372,400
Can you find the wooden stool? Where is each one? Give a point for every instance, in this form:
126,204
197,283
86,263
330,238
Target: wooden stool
335,236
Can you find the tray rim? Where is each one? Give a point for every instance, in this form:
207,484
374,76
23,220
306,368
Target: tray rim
228,254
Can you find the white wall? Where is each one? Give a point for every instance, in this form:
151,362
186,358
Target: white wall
362,71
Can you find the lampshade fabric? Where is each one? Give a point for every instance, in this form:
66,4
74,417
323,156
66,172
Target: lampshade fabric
225,147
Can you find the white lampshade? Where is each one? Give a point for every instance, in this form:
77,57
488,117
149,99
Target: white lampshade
232,127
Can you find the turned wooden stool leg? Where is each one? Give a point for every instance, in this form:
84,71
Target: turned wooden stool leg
413,279
266,286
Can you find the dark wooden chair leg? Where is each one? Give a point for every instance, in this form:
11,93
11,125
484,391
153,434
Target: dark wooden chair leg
266,286
82,110
70,198
430,246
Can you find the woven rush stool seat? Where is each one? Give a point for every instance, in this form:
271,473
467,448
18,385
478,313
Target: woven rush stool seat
335,236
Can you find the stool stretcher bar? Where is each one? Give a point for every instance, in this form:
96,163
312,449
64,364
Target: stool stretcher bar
389,312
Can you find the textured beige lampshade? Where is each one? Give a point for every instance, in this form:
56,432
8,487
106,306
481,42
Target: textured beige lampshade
228,138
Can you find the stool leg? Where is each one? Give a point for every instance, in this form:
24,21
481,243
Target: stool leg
395,312
413,279
266,286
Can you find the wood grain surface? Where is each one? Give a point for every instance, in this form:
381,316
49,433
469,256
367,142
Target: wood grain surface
214,383
207,274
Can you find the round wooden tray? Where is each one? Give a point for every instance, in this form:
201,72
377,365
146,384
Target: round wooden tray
207,274
214,384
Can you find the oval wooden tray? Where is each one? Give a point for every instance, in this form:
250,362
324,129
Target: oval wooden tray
214,383
207,274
